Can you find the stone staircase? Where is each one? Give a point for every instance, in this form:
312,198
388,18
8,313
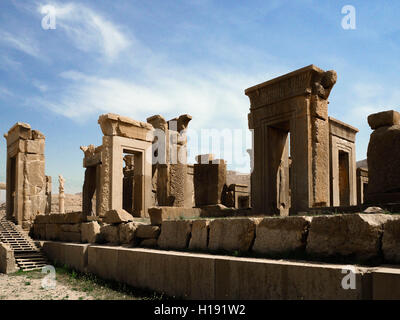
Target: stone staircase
27,255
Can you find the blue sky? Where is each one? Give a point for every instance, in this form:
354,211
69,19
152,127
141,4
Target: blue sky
140,58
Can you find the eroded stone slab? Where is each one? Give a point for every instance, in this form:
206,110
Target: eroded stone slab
117,216
348,235
109,233
175,234
90,232
199,238
391,241
147,232
127,232
276,235
232,234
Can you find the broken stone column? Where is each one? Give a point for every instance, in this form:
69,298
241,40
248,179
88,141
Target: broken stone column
170,160
61,194
27,192
295,104
91,163
209,180
383,158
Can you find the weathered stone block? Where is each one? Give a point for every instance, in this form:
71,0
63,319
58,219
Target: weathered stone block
90,232
70,236
232,234
352,235
76,256
39,231
209,180
71,227
35,146
57,218
199,238
41,219
73,217
18,131
109,233
117,216
7,259
383,119
391,241
281,235
386,283
175,234
263,279
147,232
127,232
52,231
159,214
148,243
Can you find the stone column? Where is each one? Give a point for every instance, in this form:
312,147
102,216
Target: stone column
383,158
61,195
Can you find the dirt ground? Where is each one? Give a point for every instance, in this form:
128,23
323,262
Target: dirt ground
68,286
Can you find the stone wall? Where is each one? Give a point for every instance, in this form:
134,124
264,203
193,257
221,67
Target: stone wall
361,238
199,276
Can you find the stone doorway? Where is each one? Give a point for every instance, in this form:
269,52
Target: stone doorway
12,194
132,191
344,181
277,163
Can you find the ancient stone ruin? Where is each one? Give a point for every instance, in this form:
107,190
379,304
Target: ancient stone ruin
28,191
291,113
308,200
104,165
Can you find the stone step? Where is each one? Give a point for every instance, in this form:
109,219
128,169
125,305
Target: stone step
27,255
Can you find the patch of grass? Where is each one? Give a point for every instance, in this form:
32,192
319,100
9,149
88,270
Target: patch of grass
27,283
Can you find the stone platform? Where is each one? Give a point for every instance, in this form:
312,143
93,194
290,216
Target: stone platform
202,276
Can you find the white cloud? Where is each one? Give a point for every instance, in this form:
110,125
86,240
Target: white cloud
19,42
88,30
216,98
40,85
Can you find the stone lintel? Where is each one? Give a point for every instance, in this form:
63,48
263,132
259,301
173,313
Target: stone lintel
342,130
114,125
362,172
18,131
296,83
